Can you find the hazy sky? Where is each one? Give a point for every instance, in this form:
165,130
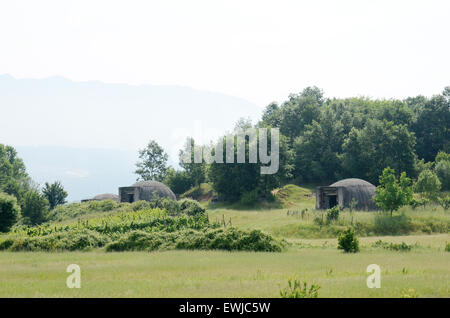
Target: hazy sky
257,50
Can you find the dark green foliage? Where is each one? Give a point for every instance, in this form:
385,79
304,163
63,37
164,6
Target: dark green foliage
392,225
447,247
55,194
249,198
401,247
296,289
34,208
333,214
178,181
9,212
348,241
379,144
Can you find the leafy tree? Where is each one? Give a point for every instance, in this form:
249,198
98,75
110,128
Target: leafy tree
9,212
14,179
432,127
392,194
153,164
428,184
55,194
34,208
380,144
442,170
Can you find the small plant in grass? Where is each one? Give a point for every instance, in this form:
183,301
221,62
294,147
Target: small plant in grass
447,247
348,241
333,214
402,247
297,289
409,293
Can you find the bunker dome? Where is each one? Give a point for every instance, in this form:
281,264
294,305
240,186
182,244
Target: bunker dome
103,197
145,190
343,192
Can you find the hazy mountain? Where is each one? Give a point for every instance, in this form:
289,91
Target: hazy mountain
86,134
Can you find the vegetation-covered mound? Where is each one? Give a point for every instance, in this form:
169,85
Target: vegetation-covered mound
177,225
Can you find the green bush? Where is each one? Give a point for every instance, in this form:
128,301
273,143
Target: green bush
214,239
296,289
393,225
402,247
428,184
191,207
447,247
70,241
333,214
348,241
415,203
444,202
9,212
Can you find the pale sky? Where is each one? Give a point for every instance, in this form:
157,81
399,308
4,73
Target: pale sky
257,50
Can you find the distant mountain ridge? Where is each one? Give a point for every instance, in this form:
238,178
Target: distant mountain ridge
52,117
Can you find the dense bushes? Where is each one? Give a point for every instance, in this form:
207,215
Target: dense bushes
34,208
70,241
221,239
144,230
348,241
9,212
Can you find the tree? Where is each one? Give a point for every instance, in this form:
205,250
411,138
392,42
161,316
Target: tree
380,144
14,179
9,212
432,127
178,181
428,184
153,164
34,208
392,194
55,194
442,171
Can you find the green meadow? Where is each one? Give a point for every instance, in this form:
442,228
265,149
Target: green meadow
310,255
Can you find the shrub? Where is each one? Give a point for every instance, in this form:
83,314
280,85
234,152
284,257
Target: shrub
415,203
70,241
402,247
140,205
444,202
9,212
333,214
348,241
447,247
296,289
34,208
398,224
191,207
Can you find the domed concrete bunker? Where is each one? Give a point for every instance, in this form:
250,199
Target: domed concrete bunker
145,190
343,192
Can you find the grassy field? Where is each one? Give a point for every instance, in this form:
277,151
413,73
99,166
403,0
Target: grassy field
423,272
311,255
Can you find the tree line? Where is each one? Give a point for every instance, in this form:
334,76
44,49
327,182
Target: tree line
326,139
